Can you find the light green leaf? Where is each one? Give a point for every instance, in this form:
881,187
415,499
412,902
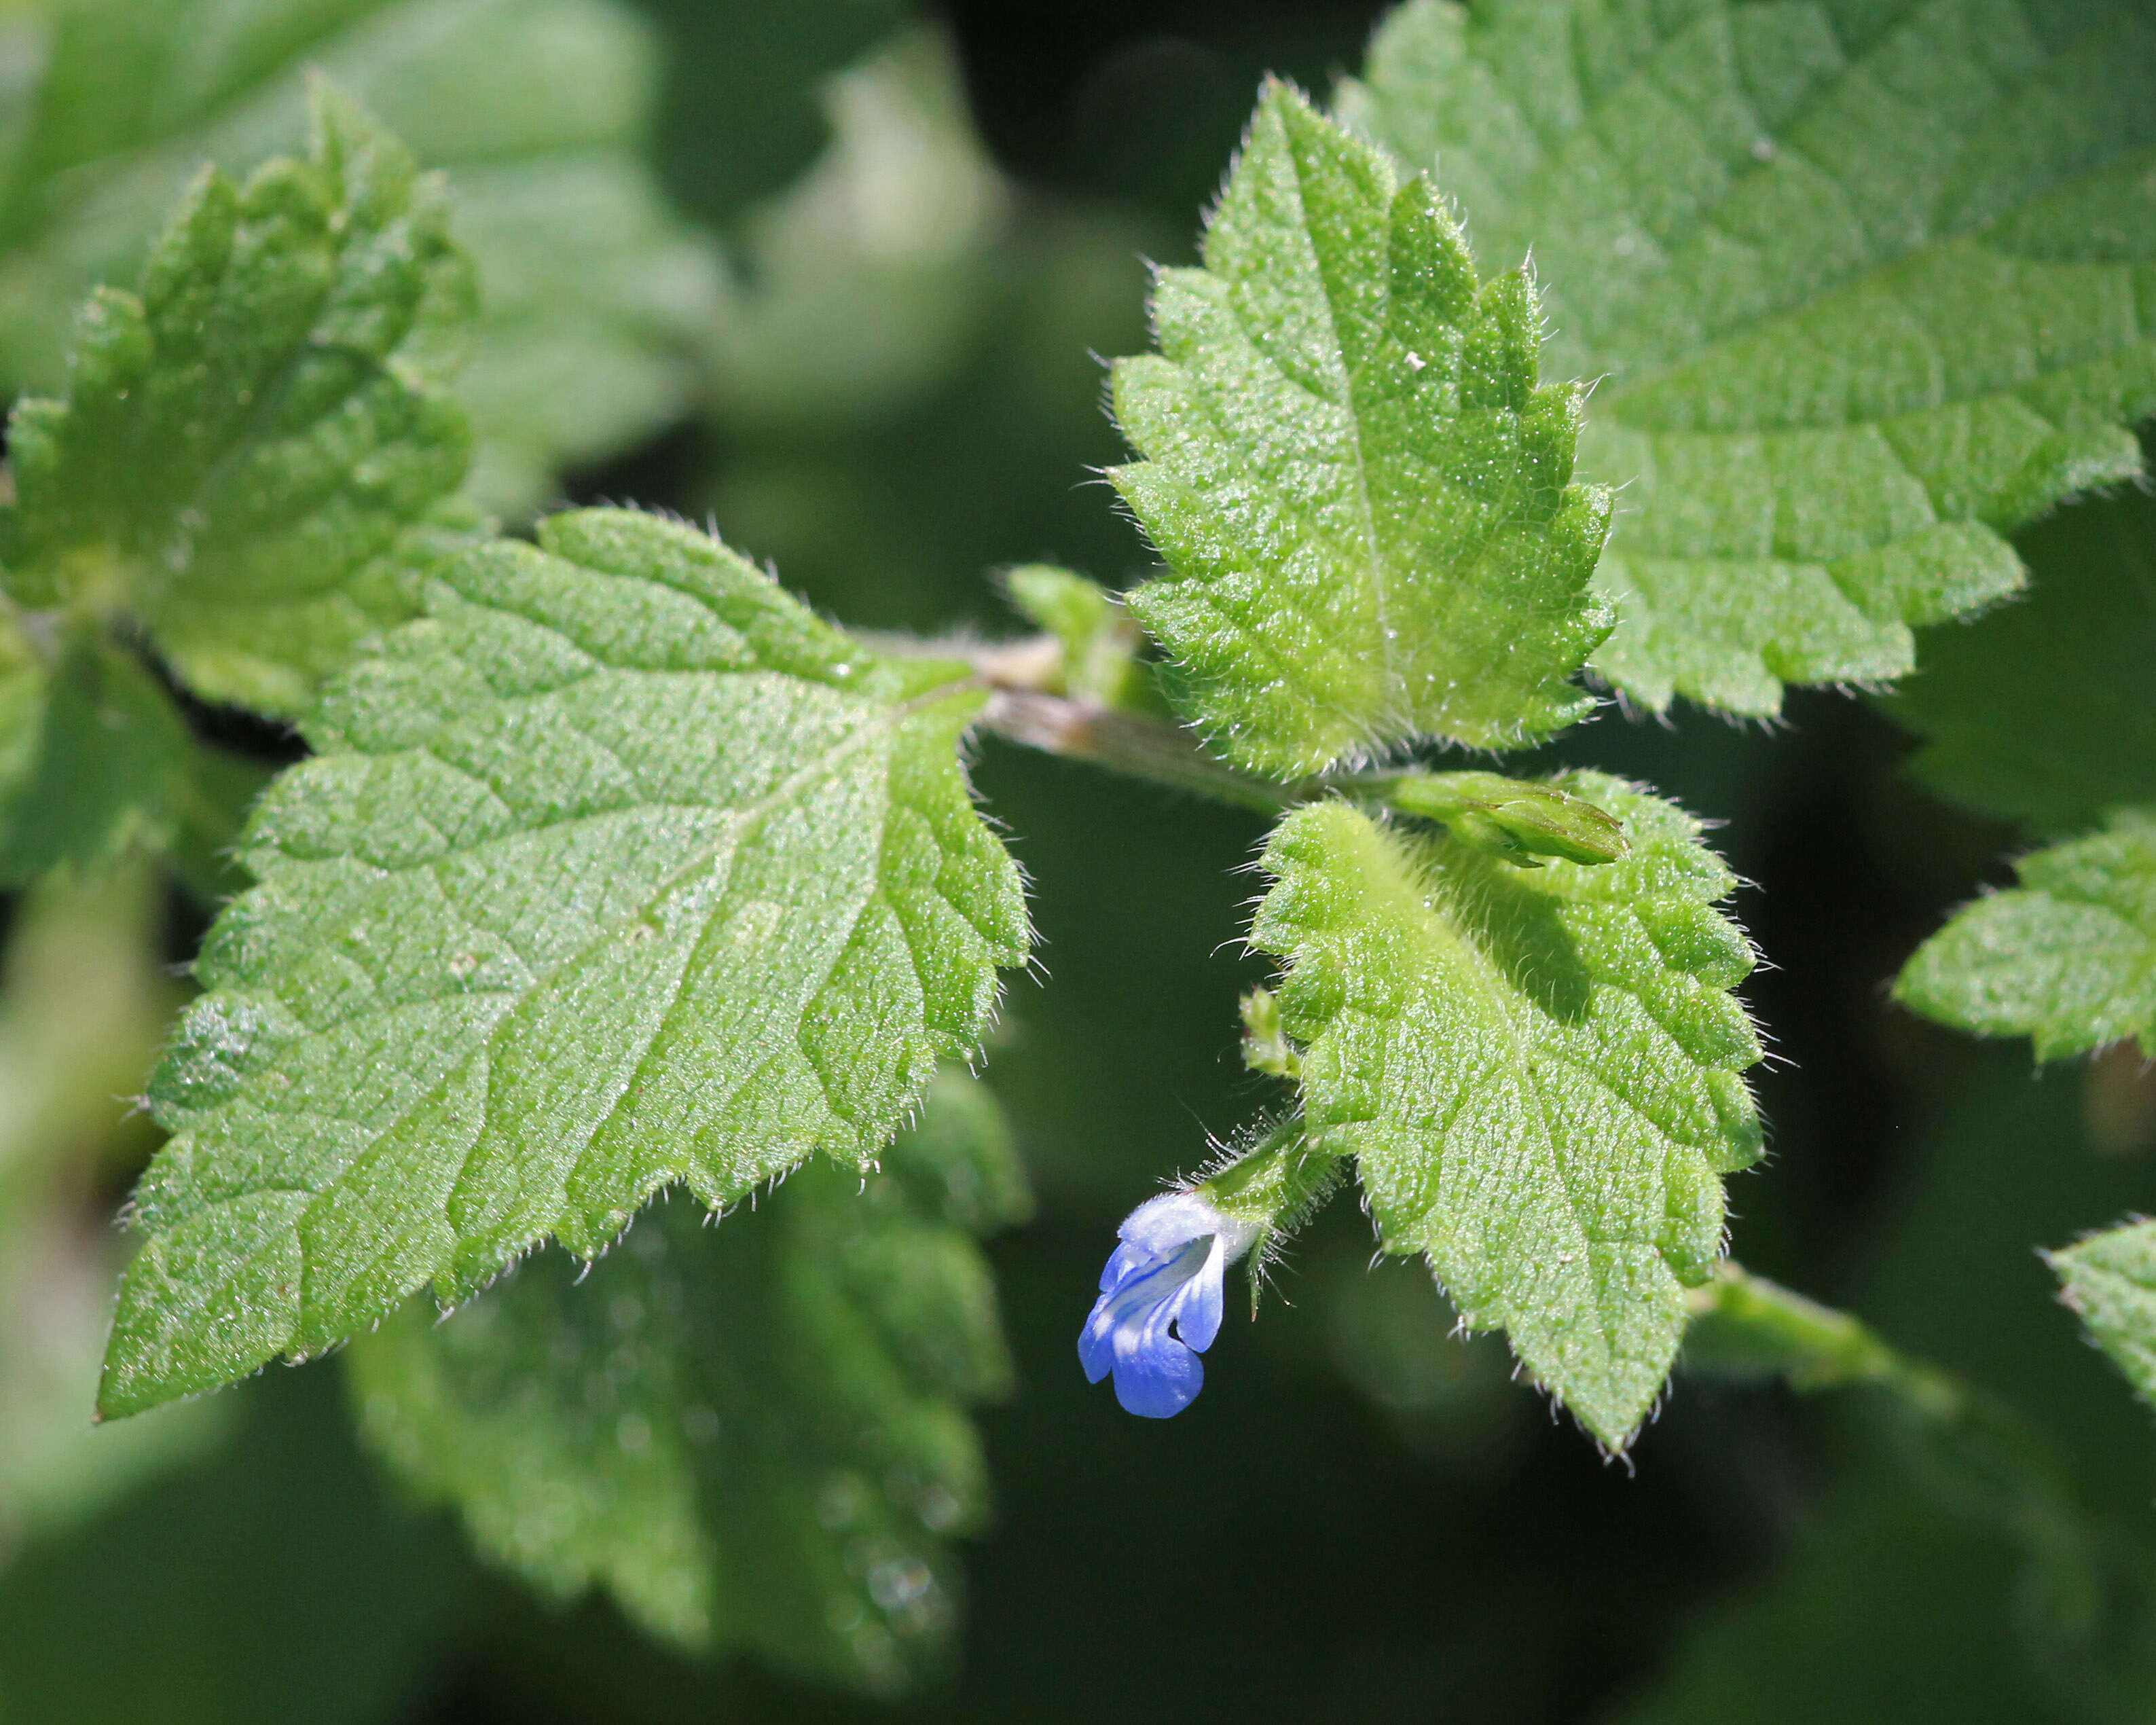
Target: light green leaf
2068,958
1362,492
247,449
2046,710
1536,1069
1866,287
618,869
2110,1279
752,1433
862,282
595,293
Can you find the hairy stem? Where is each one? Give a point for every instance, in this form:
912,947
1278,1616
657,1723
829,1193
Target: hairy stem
1131,743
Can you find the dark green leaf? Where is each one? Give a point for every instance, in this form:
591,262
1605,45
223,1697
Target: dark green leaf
752,1433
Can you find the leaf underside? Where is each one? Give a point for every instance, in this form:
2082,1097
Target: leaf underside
2046,710
1360,489
252,451
1866,285
2067,958
1537,1072
594,291
617,869
752,1433
2110,1279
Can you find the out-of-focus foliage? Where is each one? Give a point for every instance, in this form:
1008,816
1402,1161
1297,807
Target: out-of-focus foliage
82,1008
753,1433
2110,1279
243,448
2045,710
1917,1585
2067,958
1860,283
595,294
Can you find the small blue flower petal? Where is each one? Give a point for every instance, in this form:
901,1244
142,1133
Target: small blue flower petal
1161,1300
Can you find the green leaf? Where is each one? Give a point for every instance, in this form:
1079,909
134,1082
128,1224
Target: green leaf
1866,287
1536,1069
1362,490
112,769
2046,710
2110,1279
596,293
2068,958
752,1433
246,449
617,869
864,281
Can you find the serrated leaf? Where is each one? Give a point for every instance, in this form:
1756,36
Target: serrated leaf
1861,286
2046,710
751,1433
595,293
2068,958
2110,1279
247,449
1537,1071
618,869
1363,492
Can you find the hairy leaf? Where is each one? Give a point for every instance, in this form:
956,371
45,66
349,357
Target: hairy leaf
594,292
2110,1279
1866,285
617,869
1360,489
2068,958
248,449
2046,710
1536,1071
751,1433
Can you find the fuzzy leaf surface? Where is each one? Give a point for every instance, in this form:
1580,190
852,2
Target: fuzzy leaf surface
248,450
1536,1071
2067,958
595,292
2110,1279
2045,710
752,1433
1866,285
1363,493
617,869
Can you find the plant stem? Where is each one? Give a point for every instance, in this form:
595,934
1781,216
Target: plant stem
1128,743
1970,1452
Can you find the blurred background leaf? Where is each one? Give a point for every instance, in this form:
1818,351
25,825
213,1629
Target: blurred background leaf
595,293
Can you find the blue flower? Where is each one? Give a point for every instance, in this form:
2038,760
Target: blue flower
1160,1303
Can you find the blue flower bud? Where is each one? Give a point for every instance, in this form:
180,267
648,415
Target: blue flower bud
1161,1298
